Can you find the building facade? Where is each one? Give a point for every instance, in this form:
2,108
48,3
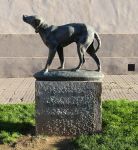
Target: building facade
22,53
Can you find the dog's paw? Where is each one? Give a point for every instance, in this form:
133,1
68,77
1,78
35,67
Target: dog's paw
75,69
45,71
61,67
98,70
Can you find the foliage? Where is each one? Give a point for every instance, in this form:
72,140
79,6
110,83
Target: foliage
120,128
16,120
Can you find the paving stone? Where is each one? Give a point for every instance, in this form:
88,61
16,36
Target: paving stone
22,90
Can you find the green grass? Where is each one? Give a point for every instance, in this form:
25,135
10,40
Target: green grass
120,128
16,120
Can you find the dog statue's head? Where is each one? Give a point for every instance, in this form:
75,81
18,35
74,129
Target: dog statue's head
34,21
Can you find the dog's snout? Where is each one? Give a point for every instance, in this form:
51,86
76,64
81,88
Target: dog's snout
24,17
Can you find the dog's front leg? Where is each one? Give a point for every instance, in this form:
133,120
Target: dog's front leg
51,55
61,57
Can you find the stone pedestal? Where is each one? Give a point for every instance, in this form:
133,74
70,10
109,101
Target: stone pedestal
68,107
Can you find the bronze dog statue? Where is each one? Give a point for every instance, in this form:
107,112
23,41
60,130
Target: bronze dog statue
57,37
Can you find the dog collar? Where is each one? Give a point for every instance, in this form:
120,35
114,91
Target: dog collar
37,29
39,26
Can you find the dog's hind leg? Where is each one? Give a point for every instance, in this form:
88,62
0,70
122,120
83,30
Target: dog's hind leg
91,52
97,60
51,55
81,51
61,57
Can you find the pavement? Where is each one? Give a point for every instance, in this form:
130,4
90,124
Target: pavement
22,90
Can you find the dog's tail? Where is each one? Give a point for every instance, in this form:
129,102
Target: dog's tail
96,36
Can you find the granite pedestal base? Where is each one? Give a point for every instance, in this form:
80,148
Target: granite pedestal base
68,107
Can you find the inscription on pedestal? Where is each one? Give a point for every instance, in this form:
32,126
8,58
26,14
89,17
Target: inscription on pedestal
68,107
